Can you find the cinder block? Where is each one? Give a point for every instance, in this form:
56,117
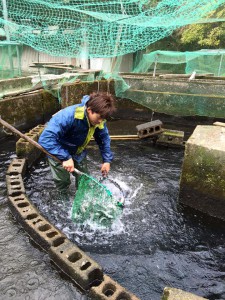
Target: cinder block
37,130
42,231
25,149
149,129
32,156
75,263
17,166
15,185
23,146
21,207
171,138
110,289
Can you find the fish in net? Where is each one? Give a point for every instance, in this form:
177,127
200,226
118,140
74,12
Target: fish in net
96,203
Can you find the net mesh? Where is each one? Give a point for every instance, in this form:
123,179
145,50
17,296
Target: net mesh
203,61
94,203
89,28
10,59
109,29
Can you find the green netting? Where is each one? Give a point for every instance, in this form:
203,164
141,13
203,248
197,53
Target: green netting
94,203
203,61
97,28
10,59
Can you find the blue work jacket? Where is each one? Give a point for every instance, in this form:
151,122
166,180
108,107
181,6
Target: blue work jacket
69,131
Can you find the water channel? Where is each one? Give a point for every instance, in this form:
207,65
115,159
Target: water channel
155,243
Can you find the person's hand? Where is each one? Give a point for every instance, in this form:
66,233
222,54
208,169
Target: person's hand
68,165
105,169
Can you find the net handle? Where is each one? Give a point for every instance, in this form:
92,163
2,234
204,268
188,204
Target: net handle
28,139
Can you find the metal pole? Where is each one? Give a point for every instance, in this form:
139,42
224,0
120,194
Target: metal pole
156,61
221,59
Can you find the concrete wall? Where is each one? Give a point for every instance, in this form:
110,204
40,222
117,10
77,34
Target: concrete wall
202,184
27,110
176,96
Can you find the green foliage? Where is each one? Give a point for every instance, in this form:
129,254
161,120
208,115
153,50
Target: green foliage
210,34
204,35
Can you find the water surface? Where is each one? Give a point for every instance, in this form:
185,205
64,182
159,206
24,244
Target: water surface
155,243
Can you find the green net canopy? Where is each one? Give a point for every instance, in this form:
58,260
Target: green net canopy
97,28
203,61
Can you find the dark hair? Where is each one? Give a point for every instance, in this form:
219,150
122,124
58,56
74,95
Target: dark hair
102,103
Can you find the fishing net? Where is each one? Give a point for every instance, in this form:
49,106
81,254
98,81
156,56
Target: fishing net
95,203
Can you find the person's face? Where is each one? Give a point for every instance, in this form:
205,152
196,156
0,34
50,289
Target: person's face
94,118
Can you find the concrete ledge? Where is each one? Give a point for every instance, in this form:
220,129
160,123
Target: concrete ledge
15,85
170,293
202,183
27,110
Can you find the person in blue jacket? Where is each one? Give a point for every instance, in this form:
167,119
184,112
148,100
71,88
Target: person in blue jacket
68,133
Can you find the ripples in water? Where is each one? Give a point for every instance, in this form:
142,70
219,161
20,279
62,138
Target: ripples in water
155,243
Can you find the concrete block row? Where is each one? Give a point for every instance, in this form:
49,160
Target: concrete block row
83,270
149,129
110,289
67,256
75,263
39,228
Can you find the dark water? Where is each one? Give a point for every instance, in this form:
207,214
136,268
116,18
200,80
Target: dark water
155,243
